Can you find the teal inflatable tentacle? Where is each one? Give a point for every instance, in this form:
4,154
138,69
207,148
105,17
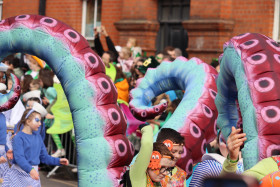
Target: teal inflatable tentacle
102,148
250,68
9,100
195,117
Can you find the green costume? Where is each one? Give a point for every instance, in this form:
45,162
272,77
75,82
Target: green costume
261,169
62,115
111,71
138,170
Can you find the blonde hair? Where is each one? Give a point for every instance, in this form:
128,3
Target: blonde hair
133,41
126,51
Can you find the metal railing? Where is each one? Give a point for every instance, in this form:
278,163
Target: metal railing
69,147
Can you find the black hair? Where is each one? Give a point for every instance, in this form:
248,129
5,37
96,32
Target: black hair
16,63
170,134
112,56
36,99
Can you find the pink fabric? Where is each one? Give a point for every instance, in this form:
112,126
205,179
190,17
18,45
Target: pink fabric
133,123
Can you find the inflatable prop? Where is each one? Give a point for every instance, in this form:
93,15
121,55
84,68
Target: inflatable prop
249,73
9,100
102,148
195,117
132,122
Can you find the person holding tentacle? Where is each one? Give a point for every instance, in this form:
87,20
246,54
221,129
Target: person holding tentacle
152,164
27,154
212,163
235,140
266,171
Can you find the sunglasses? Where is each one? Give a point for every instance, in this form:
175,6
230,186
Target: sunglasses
37,120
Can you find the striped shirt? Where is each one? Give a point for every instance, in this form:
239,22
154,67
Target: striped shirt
208,168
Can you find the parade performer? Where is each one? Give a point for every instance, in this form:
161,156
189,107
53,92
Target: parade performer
62,119
4,167
153,163
212,163
27,154
175,143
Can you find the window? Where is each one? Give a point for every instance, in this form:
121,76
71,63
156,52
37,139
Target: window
276,25
1,6
91,17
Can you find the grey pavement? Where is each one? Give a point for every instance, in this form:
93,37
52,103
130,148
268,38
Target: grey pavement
63,177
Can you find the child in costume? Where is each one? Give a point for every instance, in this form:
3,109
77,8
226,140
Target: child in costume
46,77
122,85
136,51
212,163
3,159
31,98
34,85
175,143
152,163
125,60
35,64
62,122
29,150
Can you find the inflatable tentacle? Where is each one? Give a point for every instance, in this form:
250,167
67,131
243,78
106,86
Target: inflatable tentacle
9,100
100,126
250,69
195,116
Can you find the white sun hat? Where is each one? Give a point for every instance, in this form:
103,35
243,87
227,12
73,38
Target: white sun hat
3,87
34,93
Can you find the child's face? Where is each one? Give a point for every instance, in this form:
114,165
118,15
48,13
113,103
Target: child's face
29,104
124,54
159,57
34,122
10,84
159,174
106,59
121,54
32,63
2,78
33,66
177,152
34,87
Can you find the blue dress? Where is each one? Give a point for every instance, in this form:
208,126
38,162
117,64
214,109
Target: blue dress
29,150
4,167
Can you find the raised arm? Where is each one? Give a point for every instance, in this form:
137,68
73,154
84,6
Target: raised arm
138,169
234,141
97,43
110,44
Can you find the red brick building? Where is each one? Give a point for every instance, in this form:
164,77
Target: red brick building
198,27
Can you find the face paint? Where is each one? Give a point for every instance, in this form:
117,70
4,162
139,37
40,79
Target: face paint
37,120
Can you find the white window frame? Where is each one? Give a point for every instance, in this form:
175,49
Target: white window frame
84,16
275,33
1,9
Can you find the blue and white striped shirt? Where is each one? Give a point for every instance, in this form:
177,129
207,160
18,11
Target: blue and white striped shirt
209,168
